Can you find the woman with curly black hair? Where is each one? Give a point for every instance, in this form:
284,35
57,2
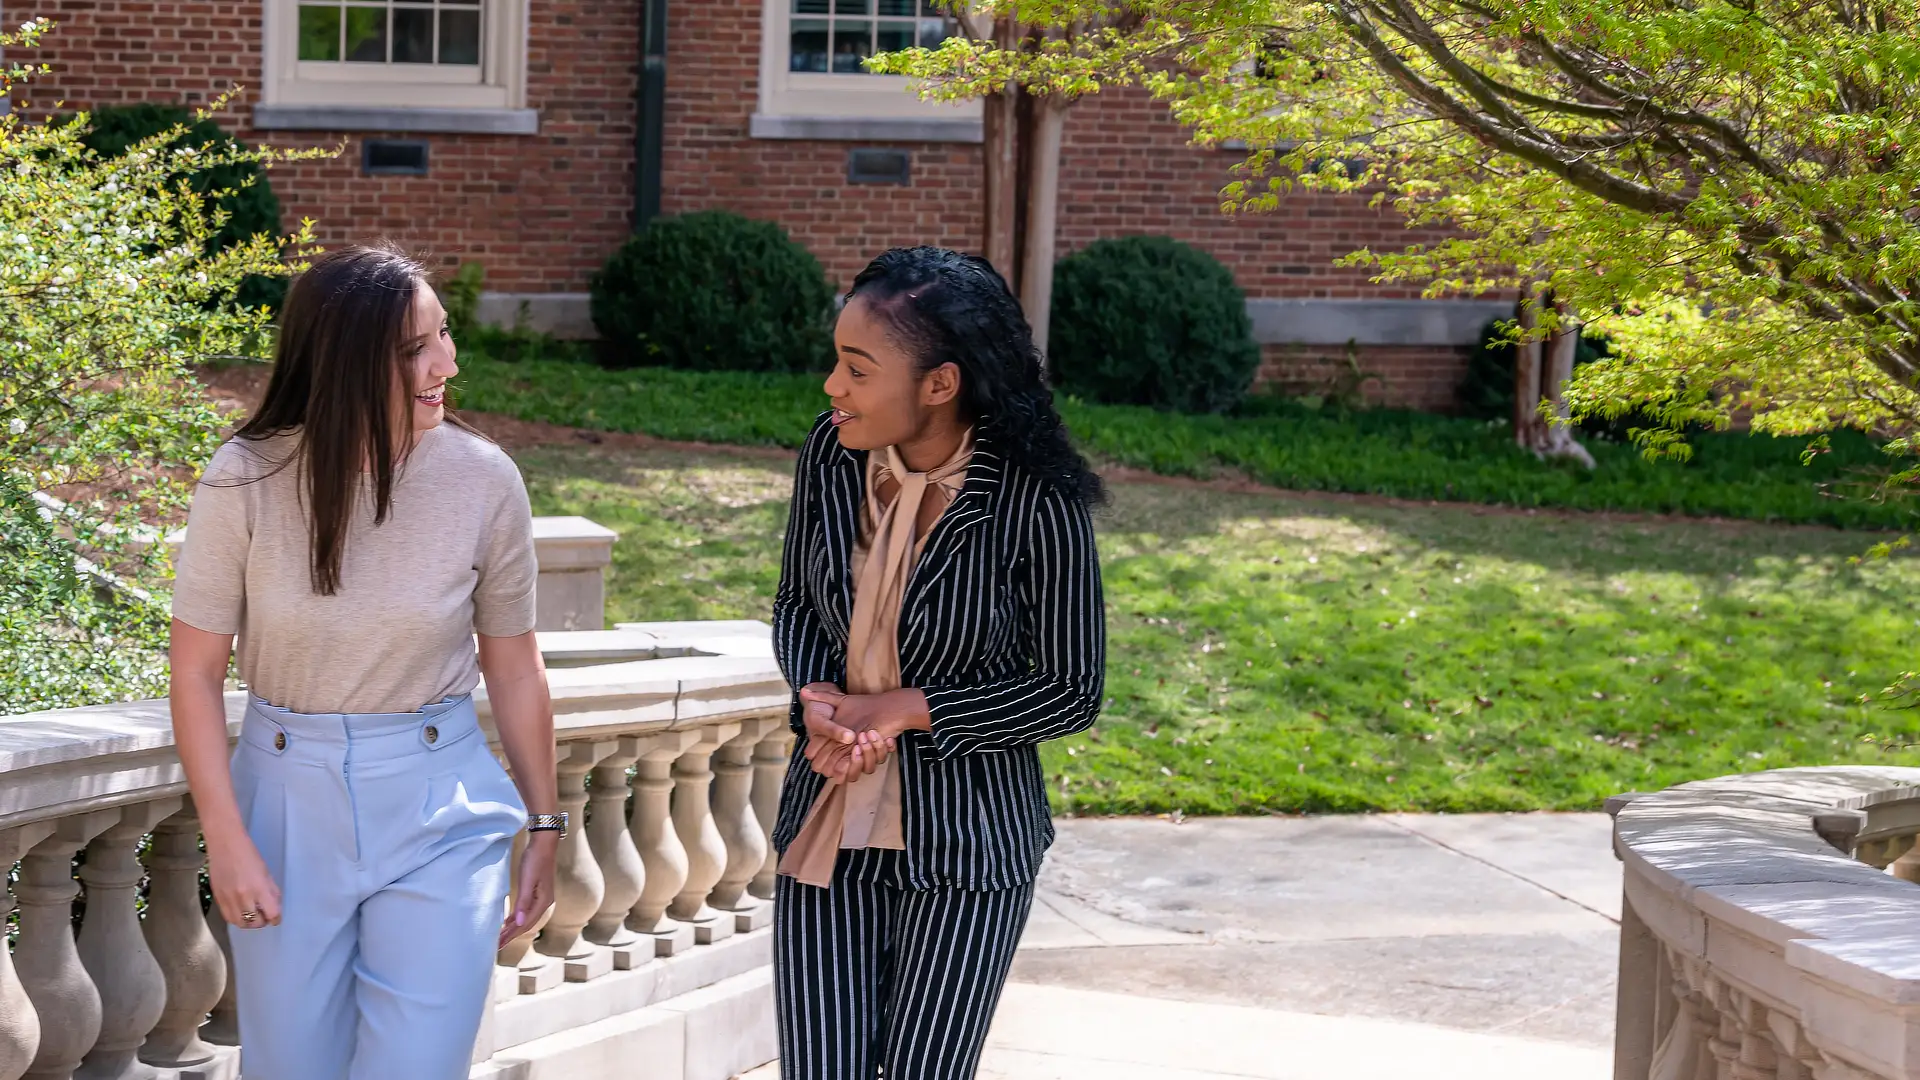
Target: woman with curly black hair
939,616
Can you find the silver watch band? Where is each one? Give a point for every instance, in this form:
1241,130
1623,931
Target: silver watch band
548,823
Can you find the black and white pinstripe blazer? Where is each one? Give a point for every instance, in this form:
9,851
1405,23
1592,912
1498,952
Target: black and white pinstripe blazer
1003,627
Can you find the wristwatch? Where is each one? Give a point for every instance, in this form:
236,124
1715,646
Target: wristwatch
548,823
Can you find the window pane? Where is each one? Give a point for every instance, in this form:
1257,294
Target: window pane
319,33
896,7
935,31
810,7
852,44
413,35
460,37
895,36
808,45
929,8
853,7
367,34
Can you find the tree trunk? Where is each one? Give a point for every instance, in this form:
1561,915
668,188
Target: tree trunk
1001,113
1043,203
1526,376
1559,433
1541,371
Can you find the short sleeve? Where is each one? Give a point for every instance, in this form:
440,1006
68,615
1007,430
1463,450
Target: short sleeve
210,580
503,600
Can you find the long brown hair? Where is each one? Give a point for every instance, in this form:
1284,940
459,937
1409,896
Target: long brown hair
336,367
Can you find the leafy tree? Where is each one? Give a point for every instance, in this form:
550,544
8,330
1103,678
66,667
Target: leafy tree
249,204
1023,123
109,294
1724,188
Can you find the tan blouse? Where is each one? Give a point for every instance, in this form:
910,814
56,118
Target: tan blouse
901,509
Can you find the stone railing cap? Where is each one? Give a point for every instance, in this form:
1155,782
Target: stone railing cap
553,529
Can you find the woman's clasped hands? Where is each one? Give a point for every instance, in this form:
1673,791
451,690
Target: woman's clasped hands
851,735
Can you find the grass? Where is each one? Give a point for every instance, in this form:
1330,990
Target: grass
1279,653
1384,452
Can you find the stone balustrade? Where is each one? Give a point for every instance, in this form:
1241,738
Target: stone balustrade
1767,932
653,963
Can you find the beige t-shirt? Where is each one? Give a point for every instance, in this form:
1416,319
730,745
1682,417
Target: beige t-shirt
454,557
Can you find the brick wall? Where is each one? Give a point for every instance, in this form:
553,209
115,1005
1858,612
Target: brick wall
541,212
1410,377
1126,168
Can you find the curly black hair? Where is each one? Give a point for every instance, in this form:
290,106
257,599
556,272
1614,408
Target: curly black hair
950,307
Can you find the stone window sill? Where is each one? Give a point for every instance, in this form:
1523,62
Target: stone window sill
426,121
865,129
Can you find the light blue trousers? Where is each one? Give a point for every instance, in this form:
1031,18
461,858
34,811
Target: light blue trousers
388,835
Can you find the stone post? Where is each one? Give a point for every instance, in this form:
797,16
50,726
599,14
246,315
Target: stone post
619,860
19,1022
223,1022
46,958
1639,988
573,554
132,988
578,885
177,932
770,757
700,835
659,844
746,843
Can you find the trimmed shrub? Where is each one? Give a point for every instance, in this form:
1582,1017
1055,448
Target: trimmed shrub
250,203
714,291
1148,320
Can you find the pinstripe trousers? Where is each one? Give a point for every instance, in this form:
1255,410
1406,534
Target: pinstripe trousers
872,979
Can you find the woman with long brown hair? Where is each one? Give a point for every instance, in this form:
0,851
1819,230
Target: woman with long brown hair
355,538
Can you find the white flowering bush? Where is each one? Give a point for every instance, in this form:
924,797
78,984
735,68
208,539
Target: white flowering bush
108,298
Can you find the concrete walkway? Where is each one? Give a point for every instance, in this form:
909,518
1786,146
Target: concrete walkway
1338,948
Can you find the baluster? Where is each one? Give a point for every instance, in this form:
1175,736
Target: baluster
223,1024
1684,1053
1907,866
578,886
1725,1046
19,1022
619,860
739,829
537,972
47,959
177,932
133,989
1796,1055
700,835
1754,1055
770,757
659,844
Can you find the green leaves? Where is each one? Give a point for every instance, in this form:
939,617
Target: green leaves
108,298
1722,187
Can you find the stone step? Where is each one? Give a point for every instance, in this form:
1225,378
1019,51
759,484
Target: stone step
526,1018
711,1034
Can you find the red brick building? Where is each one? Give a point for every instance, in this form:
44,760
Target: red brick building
531,135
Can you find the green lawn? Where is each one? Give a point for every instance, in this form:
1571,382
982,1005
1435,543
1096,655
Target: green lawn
1310,653
1276,442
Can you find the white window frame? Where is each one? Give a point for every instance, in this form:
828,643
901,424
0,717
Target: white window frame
398,97
804,104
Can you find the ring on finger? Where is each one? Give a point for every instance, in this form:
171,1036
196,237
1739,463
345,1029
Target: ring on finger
249,916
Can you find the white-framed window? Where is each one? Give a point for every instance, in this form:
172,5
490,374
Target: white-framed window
812,69
334,60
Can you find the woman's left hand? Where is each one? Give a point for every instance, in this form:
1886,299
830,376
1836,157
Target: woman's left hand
533,892
877,721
